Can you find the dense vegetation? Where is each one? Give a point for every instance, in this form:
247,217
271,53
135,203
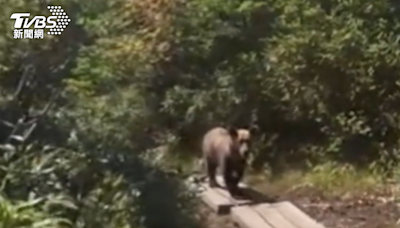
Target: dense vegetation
82,112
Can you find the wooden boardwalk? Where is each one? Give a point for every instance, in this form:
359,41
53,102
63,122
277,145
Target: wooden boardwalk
257,211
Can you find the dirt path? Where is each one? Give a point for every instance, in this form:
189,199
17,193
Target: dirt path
364,211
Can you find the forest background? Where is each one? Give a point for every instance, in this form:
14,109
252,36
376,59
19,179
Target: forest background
120,99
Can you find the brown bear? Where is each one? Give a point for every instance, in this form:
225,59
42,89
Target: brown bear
227,149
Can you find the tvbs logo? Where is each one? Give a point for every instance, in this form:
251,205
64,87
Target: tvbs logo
55,23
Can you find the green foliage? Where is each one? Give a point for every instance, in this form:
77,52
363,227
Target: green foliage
320,80
24,214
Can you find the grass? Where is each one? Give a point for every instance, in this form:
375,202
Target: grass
331,179
24,214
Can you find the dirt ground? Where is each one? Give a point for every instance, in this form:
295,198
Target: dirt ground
363,211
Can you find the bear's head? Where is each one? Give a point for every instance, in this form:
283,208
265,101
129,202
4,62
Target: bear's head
242,138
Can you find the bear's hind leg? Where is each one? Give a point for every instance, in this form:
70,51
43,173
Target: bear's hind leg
211,172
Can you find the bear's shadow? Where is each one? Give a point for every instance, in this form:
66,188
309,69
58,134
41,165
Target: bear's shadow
248,194
253,196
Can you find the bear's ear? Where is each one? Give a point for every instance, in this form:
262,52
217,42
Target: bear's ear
232,131
254,130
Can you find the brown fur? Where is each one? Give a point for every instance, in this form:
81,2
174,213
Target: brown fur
228,150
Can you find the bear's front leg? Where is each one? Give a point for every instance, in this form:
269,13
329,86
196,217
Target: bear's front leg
231,181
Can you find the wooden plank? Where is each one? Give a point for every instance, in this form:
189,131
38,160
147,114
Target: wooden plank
221,181
215,201
226,194
246,217
272,216
296,216
264,215
219,200
251,194
214,197
279,215
233,201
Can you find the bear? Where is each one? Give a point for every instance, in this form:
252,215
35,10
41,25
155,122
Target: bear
228,149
